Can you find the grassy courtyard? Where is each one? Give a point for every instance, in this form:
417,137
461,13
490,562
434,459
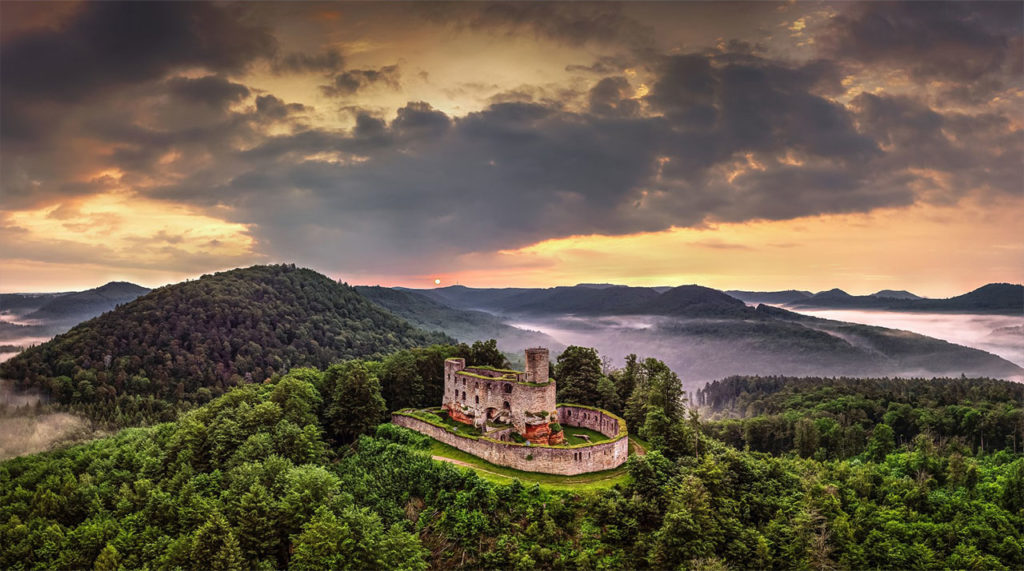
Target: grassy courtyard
571,437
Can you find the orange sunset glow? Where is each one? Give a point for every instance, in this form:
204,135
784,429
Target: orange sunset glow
785,145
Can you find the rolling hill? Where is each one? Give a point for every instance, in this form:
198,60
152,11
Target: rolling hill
462,324
192,340
38,316
586,299
706,334
82,305
755,297
1003,299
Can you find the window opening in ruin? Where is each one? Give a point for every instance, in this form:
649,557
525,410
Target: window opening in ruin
508,388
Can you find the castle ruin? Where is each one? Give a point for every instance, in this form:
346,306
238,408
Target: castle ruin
520,425
524,400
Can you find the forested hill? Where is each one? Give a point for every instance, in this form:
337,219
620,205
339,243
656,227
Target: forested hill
682,301
1005,299
81,305
294,474
463,324
193,340
832,418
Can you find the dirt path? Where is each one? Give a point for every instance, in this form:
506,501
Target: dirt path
638,449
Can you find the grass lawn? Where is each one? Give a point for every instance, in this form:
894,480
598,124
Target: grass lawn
503,475
571,439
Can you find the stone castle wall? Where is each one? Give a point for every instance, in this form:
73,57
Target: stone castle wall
537,365
592,418
545,459
480,390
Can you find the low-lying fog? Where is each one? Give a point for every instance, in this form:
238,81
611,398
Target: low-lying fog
1001,335
24,430
698,357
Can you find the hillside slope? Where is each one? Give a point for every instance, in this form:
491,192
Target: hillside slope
81,305
786,296
462,324
191,340
705,334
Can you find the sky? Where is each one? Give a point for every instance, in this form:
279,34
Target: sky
758,146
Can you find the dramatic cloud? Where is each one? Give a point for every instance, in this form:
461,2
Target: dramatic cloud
349,82
297,62
973,44
223,112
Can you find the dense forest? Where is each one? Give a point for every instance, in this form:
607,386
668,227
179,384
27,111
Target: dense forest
296,472
841,418
189,342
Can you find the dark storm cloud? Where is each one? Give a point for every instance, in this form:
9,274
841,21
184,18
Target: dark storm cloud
949,41
298,62
420,120
111,43
722,134
105,46
210,90
272,108
605,65
353,80
752,104
613,96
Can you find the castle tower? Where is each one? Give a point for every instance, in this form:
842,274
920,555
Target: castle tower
453,365
537,365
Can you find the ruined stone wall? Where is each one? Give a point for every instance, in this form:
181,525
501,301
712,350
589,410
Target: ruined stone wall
451,366
592,418
544,459
505,397
537,365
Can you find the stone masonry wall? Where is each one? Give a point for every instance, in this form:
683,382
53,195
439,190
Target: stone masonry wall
482,394
548,460
593,419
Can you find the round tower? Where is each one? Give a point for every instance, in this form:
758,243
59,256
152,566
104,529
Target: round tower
537,365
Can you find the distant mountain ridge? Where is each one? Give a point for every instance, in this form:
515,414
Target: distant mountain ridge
771,297
83,305
895,294
608,299
999,298
707,334
687,300
463,324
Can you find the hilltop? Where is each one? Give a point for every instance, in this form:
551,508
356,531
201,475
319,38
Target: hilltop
1001,298
193,340
786,296
43,315
586,299
82,305
462,324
